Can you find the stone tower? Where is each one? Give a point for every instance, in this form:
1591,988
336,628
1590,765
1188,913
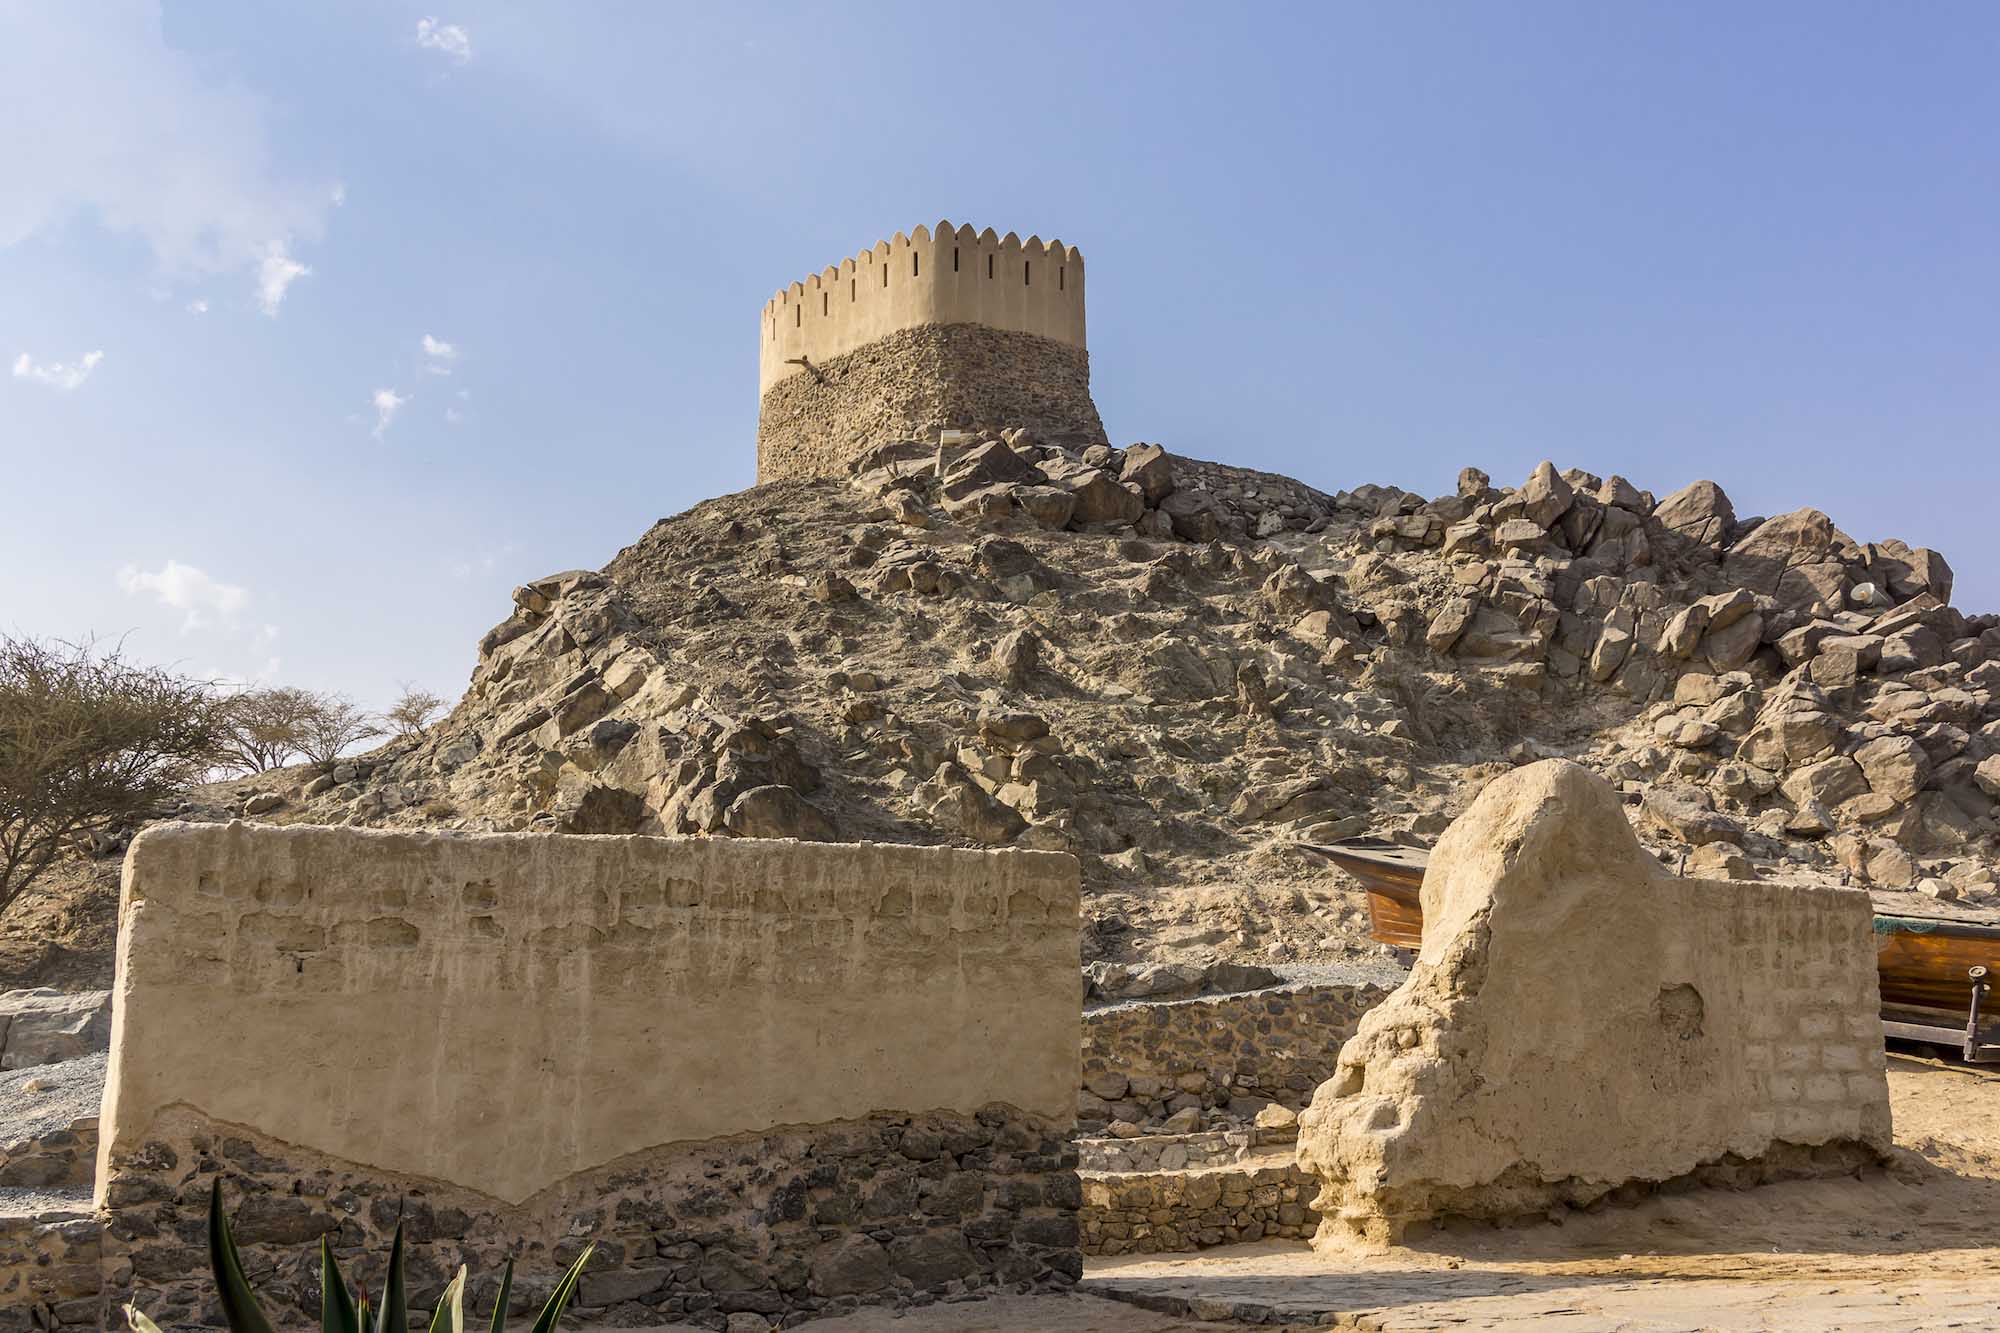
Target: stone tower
936,330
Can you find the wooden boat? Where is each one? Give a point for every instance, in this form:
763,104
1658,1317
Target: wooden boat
1933,967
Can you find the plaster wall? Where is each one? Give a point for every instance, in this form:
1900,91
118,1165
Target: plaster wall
950,275
1578,1020
503,1011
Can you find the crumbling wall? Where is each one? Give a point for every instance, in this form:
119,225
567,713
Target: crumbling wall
766,1076
913,382
1578,1021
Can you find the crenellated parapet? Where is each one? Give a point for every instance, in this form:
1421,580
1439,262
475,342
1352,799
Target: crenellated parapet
946,275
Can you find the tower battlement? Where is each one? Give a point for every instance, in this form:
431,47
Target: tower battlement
938,328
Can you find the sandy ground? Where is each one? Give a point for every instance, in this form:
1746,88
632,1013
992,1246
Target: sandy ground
1914,1247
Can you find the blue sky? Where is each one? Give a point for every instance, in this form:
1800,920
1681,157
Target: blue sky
1349,243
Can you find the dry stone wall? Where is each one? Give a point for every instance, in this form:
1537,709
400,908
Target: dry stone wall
914,382
768,1077
1580,1023
1169,1212
1144,1061
50,1260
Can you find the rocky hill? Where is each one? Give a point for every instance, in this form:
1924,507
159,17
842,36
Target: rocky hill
1177,669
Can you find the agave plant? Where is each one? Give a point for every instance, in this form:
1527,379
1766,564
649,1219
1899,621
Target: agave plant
342,1312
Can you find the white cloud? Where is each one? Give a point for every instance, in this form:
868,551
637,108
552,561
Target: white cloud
55,374
386,402
277,272
198,306
482,563
449,39
452,416
438,355
144,141
186,588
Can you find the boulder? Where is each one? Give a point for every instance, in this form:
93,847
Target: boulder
1688,814
1102,501
1148,467
45,1026
1194,515
1803,537
1829,782
1698,511
1546,497
1731,645
984,465
1895,766
774,811
1017,655
1449,623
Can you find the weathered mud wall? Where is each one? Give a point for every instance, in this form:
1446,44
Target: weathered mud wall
1579,1020
768,1076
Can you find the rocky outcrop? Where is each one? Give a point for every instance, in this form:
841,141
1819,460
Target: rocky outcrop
1579,1022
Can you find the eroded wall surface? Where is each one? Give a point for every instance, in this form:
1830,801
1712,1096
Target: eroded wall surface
768,1076
911,383
1579,1022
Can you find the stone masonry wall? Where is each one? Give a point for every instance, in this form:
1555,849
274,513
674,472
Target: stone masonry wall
1144,1061
913,382
49,1270
770,1077
783,1224
1174,1211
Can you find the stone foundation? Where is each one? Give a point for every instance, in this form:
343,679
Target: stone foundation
1147,1060
913,383
49,1265
1174,1211
891,1210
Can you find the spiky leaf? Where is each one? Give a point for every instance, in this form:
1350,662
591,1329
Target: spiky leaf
565,1289
449,1317
139,1322
395,1315
506,1292
337,1311
232,1289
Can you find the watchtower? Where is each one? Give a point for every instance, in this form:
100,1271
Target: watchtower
936,330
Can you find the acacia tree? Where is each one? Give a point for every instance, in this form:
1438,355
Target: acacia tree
330,726
413,711
90,743
264,727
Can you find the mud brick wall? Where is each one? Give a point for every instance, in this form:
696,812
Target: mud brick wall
764,1076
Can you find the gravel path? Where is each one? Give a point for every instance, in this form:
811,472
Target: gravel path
40,1100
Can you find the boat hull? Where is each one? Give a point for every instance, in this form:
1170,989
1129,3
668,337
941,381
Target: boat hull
1925,964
